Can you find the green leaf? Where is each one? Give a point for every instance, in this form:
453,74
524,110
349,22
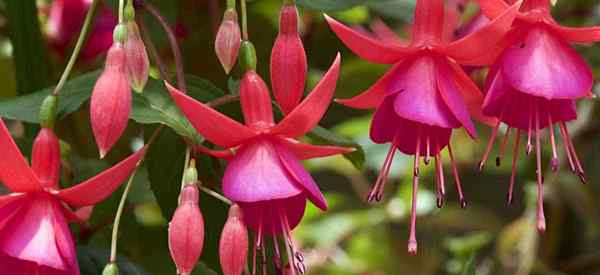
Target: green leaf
330,5
469,268
73,95
321,135
92,261
397,9
164,162
28,46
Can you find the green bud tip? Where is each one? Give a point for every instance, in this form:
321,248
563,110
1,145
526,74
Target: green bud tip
247,56
120,33
129,11
111,269
48,111
191,173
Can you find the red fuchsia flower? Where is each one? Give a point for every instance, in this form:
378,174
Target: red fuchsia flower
136,57
288,61
233,246
264,175
537,45
65,20
186,231
426,94
111,100
35,237
228,40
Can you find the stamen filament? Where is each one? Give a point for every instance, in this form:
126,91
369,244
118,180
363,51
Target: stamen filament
503,146
440,180
565,138
554,161
580,171
376,193
529,147
461,196
489,146
509,198
427,150
412,240
541,219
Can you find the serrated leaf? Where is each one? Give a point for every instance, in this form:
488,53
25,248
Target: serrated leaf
321,135
330,5
72,96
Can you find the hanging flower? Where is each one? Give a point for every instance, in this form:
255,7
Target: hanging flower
136,57
233,246
35,237
426,94
265,176
537,46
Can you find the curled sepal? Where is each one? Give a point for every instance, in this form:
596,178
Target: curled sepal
111,269
288,61
45,158
233,246
111,100
228,40
186,231
136,58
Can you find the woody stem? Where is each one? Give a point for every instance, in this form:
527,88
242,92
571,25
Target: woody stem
78,45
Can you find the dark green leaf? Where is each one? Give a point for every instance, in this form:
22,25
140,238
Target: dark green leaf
330,5
397,9
323,136
28,47
26,108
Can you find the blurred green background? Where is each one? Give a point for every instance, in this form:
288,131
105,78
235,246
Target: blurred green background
353,237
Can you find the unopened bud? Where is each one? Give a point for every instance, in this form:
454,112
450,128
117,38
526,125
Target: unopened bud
191,173
136,58
247,56
233,246
186,231
111,269
48,111
45,158
228,40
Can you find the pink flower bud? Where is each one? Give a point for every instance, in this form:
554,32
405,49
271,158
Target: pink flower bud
111,100
45,158
233,247
228,40
136,58
186,231
255,101
288,61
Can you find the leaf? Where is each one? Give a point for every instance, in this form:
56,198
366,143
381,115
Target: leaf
28,46
92,261
397,9
330,5
323,136
469,268
164,162
72,96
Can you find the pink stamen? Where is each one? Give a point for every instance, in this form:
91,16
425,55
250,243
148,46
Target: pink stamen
541,219
427,150
376,193
554,161
580,171
489,146
440,180
513,175
254,248
529,147
461,196
288,249
503,146
565,138
264,260
277,254
412,240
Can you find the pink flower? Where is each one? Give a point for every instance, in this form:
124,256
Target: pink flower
233,246
111,100
228,40
34,235
537,46
426,94
186,231
264,175
288,61
136,58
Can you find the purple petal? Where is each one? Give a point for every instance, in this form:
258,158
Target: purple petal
452,97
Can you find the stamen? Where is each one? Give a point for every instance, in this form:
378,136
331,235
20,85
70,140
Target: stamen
541,219
427,150
288,248
580,171
277,255
513,175
461,196
264,260
554,160
440,181
376,193
489,146
529,147
412,240
298,260
565,138
503,146
254,254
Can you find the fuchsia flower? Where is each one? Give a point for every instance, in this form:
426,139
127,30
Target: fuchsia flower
264,175
233,246
35,237
136,57
111,100
228,40
426,94
534,84
288,61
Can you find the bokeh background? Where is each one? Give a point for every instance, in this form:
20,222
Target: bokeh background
354,237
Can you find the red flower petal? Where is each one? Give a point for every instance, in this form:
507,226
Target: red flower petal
366,47
429,22
229,133
98,188
486,42
15,173
309,151
306,115
579,35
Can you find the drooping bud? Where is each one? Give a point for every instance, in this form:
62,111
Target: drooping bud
111,269
186,231
233,246
111,100
45,158
255,101
228,40
288,61
136,57
247,56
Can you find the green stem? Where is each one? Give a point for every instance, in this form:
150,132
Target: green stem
215,195
244,20
230,4
115,231
82,36
121,10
